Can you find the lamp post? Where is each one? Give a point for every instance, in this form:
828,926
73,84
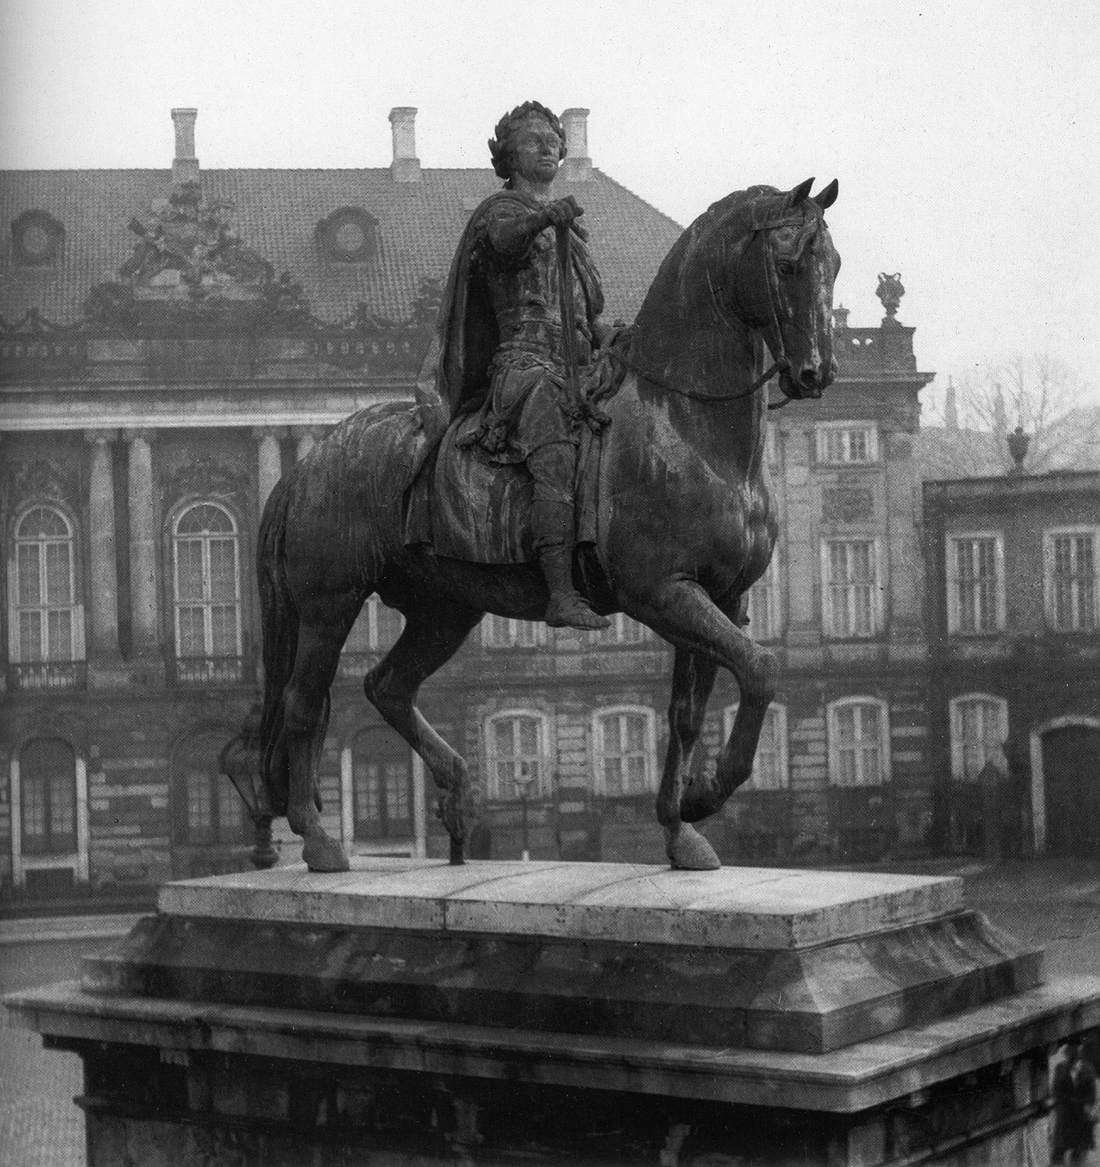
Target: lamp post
523,780
239,761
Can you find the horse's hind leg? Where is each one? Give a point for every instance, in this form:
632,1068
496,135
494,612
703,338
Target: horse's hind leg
433,633
692,681
305,718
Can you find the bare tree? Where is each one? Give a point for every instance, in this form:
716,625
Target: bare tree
1038,393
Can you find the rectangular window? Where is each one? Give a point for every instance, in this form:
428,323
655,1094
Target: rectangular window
507,632
978,732
857,733
850,569
1071,580
623,630
976,583
624,752
847,445
515,755
769,768
766,603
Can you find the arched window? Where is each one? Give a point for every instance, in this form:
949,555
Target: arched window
207,595
517,754
47,624
47,781
376,628
625,750
979,727
381,785
208,807
859,742
769,769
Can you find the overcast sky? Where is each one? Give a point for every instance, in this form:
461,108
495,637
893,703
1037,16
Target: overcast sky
966,136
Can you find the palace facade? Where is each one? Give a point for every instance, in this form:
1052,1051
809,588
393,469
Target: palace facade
173,340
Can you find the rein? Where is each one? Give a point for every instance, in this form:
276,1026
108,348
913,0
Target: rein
781,363
697,395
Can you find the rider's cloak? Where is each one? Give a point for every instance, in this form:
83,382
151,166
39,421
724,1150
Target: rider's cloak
456,372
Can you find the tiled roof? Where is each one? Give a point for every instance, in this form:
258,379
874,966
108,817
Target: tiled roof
276,214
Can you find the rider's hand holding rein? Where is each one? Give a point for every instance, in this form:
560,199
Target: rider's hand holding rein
561,211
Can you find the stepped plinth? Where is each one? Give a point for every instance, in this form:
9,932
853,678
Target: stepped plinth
558,1012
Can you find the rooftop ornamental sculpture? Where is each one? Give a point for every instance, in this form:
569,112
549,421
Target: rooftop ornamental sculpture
890,291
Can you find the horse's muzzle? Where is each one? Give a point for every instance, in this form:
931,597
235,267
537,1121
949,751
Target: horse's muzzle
811,382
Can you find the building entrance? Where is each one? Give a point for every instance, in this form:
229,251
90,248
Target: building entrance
1071,775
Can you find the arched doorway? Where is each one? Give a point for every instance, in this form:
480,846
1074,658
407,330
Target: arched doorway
1066,781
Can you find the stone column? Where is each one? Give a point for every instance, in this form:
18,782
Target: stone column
104,573
306,437
270,464
143,545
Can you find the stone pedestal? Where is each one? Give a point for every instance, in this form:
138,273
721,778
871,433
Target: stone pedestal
408,1012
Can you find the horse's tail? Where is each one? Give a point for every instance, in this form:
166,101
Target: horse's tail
279,623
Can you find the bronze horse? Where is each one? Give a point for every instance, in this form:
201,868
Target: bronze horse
688,525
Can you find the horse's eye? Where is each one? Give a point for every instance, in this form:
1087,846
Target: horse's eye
785,267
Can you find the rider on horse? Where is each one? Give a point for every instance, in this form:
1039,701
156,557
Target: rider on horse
504,351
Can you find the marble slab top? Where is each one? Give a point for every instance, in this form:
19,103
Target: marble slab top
734,907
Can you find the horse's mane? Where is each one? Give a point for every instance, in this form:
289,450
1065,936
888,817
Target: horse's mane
739,199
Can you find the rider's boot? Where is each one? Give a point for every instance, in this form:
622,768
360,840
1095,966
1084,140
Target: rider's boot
567,607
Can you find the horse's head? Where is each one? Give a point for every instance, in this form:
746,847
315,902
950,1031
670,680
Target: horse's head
780,265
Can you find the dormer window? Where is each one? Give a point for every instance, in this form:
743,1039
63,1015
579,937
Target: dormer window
349,235
36,238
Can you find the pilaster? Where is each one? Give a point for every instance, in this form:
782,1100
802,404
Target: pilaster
104,660
144,613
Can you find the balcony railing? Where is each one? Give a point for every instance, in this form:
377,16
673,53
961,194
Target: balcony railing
206,670
49,675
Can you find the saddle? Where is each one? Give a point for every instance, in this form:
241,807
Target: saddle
464,506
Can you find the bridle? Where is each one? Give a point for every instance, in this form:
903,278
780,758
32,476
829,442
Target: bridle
761,304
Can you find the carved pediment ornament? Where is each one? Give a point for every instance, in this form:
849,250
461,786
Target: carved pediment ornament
203,476
188,265
42,479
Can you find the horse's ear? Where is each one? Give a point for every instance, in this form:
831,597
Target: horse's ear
799,193
825,198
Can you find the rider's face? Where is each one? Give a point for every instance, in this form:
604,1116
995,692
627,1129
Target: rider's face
536,150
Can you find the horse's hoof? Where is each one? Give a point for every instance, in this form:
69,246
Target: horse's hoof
689,851
458,852
322,853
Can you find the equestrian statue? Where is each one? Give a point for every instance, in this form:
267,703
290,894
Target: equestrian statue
555,468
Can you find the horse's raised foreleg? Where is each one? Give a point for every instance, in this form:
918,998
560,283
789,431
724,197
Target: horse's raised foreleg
683,613
305,718
432,635
692,681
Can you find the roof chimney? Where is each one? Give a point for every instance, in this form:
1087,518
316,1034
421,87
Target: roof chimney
185,166
405,166
577,166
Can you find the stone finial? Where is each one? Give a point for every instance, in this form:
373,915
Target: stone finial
950,407
890,291
840,317
185,166
405,166
1018,443
577,166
